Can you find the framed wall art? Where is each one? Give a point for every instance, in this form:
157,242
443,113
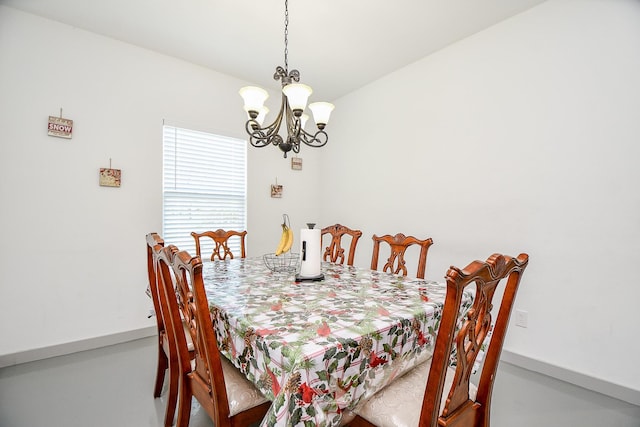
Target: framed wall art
276,191
110,177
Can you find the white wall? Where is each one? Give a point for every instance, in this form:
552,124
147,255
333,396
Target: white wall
522,138
72,253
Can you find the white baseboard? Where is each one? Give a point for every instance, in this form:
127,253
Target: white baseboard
75,346
598,385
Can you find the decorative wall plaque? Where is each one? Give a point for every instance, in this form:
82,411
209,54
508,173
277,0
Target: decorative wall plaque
60,127
110,177
296,163
276,191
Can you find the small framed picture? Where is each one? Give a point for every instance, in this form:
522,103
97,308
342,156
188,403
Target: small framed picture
110,177
296,163
276,191
62,128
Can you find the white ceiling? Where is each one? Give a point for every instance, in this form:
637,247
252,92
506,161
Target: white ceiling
337,45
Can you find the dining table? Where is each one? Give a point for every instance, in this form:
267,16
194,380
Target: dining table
318,348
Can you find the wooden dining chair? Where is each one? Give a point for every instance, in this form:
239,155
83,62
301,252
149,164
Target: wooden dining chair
435,394
154,245
220,388
220,238
398,245
168,346
155,241
335,252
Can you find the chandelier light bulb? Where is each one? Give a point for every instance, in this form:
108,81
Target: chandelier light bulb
297,95
254,98
321,112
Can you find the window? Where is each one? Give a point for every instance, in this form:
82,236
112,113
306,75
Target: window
204,185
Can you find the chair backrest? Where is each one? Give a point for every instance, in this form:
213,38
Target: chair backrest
461,409
154,241
220,239
398,244
335,252
209,387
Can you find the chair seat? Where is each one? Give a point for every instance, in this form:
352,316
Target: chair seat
241,392
400,404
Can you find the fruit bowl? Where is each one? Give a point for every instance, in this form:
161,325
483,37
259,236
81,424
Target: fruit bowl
283,263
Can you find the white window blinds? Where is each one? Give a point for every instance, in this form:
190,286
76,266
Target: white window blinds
204,186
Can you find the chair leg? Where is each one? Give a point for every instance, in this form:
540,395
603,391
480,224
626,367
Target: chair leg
172,395
163,364
184,402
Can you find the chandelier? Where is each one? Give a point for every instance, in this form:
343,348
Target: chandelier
294,101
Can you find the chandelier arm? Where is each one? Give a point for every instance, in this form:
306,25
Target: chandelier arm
263,136
317,140
293,124
257,138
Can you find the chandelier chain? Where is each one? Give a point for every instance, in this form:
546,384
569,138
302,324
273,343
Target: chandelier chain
286,35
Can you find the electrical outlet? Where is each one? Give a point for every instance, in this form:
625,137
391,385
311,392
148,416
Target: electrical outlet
522,318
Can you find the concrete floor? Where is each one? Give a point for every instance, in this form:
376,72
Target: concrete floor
112,386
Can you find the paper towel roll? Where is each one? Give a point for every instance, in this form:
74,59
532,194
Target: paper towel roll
310,249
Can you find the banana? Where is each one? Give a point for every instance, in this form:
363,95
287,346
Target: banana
286,238
289,243
283,240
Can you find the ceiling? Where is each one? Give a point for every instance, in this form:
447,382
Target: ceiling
337,45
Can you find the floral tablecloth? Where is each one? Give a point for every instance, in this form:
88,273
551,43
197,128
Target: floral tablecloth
318,348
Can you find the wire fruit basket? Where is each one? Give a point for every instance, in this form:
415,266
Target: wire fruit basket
284,263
